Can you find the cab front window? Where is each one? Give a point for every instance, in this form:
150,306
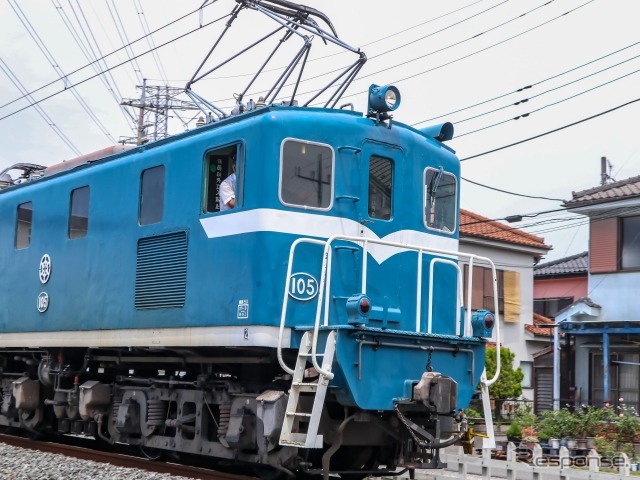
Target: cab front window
439,200
306,174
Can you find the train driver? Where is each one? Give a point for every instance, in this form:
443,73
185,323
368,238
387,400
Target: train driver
228,189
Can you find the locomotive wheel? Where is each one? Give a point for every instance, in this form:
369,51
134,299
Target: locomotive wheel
151,453
355,458
269,473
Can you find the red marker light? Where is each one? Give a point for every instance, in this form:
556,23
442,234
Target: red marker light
365,306
488,320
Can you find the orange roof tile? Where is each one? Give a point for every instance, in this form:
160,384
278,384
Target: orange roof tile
474,225
536,329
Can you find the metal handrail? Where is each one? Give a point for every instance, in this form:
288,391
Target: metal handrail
325,283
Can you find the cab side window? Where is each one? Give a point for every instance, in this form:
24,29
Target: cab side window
79,213
440,191
24,221
222,188
380,184
306,174
151,195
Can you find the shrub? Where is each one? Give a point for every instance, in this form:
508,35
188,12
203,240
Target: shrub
509,383
557,424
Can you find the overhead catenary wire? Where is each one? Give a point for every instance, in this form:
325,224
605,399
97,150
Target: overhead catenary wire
34,102
535,27
9,73
124,39
150,42
104,57
56,67
107,80
473,37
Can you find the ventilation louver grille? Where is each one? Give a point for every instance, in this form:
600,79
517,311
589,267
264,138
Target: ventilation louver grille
161,271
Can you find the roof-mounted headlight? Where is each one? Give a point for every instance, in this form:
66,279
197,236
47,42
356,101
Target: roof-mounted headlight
382,100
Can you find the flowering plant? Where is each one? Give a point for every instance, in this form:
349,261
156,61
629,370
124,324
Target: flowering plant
529,434
628,423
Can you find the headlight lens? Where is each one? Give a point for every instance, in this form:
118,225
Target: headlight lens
391,98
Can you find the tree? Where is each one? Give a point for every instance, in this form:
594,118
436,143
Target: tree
509,382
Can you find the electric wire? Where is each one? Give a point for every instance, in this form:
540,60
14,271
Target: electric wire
107,80
384,38
173,22
512,193
526,87
528,99
528,114
150,42
124,39
10,75
464,56
56,67
430,53
551,131
109,69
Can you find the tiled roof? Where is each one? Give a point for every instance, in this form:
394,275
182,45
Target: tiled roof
605,193
474,225
536,329
575,264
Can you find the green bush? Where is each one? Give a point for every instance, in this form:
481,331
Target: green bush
557,424
509,382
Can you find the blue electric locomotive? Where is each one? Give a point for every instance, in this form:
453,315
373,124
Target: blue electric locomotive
315,327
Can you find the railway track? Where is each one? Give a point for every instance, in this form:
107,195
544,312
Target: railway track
81,449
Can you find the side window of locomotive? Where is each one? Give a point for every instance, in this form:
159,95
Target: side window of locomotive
222,179
79,213
380,183
24,221
306,175
151,195
439,200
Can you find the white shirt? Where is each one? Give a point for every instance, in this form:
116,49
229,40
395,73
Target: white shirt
227,191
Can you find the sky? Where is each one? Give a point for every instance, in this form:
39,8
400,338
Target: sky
463,61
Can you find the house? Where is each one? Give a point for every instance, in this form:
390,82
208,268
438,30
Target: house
559,283
603,328
514,253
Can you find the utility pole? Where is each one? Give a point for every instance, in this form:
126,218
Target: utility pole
155,103
141,114
605,166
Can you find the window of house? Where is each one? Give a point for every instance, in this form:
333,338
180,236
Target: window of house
23,225
219,165
527,370
482,294
624,378
630,243
549,307
306,174
380,183
151,195
508,286
79,213
439,200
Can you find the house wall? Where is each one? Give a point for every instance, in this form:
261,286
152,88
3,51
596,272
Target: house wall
513,334
576,287
617,294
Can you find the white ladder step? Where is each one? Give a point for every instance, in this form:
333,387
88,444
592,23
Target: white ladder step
290,435
299,414
305,387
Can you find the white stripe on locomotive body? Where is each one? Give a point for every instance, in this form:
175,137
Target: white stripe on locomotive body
319,226
228,336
